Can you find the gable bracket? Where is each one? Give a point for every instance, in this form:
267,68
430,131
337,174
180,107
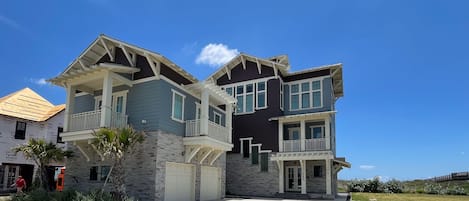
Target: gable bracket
243,61
107,49
155,68
205,154
82,64
259,66
191,152
127,55
215,157
228,72
122,79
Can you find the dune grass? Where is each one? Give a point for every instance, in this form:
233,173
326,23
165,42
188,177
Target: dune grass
406,197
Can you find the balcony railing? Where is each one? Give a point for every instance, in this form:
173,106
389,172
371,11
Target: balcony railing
215,131
92,120
317,144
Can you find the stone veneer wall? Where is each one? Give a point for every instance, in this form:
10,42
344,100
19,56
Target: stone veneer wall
145,168
243,178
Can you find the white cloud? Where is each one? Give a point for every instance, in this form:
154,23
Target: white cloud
367,167
216,55
40,81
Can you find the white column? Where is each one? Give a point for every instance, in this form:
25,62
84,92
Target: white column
303,176
281,176
302,135
327,128
106,108
70,103
328,177
204,112
280,136
228,120
5,177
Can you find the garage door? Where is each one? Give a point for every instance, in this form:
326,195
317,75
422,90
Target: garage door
179,182
210,181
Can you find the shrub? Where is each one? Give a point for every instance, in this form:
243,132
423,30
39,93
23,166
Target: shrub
67,195
433,189
456,190
393,186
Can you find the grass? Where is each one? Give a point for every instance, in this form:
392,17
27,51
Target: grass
406,197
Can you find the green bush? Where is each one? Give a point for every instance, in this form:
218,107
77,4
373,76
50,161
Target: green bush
375,186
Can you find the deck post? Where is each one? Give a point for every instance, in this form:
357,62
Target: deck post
70,103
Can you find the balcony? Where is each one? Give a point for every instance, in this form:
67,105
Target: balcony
92,119
318,144
215,131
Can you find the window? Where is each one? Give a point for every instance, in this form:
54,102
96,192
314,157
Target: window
178,107
264,162
245,98
305,95
317,171
59,131
317,132
229,90
281,95
246,144
20,132
217,118
94,173
118,101
104,172
99,172
261,95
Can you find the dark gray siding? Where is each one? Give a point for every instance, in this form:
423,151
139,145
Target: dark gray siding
327,99
83,103
238,74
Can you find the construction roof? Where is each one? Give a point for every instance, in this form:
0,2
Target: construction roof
27,104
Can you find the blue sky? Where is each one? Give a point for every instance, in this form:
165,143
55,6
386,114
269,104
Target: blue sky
405,110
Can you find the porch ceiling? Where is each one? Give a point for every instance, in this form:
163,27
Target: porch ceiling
305,155
309,116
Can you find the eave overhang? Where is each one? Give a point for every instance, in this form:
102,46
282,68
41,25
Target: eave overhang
315,115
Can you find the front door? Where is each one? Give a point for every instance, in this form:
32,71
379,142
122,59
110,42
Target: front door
293,178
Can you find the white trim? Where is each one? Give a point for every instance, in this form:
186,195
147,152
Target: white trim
248,82
323,130
265,151
242,146
81,94
172,106
115,95
261,91
214,117
309,92
246,138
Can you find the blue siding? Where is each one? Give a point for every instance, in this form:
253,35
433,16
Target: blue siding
151,101
83,103
327,99
211,116
164,107
141,101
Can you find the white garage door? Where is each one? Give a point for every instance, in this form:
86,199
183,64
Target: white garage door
210,181
179,182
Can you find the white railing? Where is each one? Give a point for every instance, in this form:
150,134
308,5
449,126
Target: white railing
318,144
85,120
315,144
92,120
215,131
291,145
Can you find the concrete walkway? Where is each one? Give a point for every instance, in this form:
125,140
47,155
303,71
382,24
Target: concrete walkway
340,197
5,198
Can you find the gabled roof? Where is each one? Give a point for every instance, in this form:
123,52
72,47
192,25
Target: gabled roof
27,104
279,63
104,45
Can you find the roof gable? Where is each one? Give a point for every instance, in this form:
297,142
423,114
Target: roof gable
27,104
104,49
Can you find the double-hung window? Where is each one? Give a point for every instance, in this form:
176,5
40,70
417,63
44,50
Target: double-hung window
261,95
305,95
245,98
20,132
217,118
177,112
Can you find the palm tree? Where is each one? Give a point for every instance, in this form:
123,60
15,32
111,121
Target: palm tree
115,144
42,153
